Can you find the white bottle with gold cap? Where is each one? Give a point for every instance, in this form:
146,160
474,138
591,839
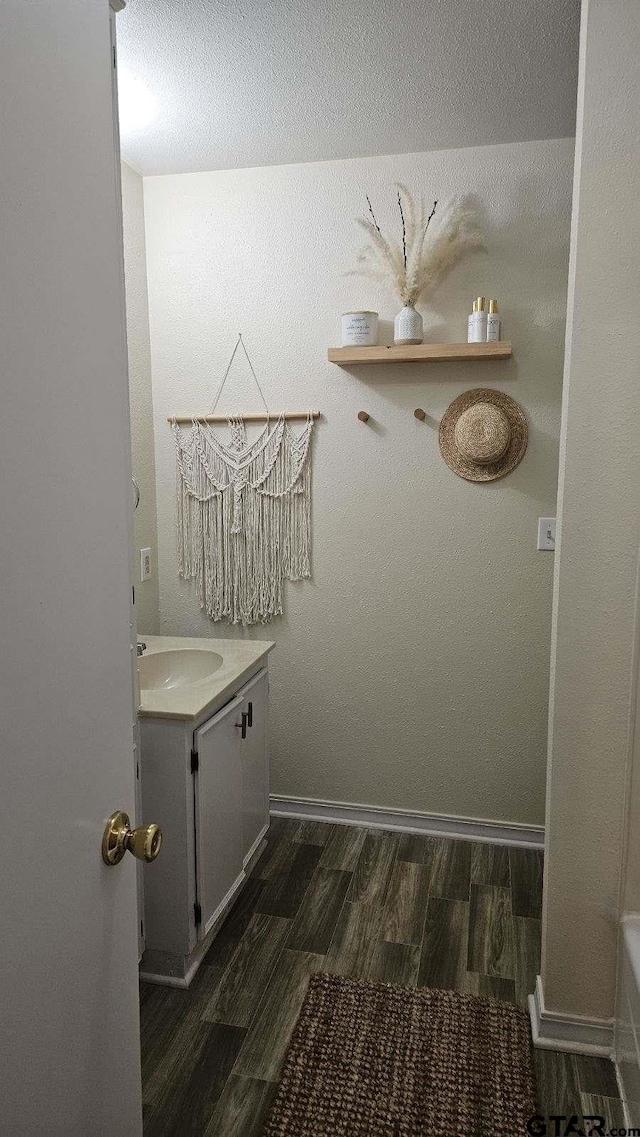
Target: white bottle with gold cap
478,321
474,308
493,322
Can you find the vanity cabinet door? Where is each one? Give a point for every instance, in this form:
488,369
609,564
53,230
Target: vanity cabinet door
218,816
255,763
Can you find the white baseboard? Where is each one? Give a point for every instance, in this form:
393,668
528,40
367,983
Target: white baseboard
407,821
163,980
220,912
555,1030
246,861
173,970
169,970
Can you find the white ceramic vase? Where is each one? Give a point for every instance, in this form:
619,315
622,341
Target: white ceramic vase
407,326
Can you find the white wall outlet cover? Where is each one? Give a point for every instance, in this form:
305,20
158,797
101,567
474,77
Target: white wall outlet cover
546,533
145,564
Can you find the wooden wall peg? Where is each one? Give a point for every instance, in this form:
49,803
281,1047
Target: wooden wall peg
419,413
363,416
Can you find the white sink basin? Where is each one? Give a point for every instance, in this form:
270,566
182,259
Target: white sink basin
162,670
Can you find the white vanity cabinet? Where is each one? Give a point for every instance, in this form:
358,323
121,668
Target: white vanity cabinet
218,812
205,780
255,771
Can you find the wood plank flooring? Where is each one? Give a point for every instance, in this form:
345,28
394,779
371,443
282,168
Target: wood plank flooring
371,904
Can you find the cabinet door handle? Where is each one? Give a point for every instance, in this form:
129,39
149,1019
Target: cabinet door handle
250,715
243,725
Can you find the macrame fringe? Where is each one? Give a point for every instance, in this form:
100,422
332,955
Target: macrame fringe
243,517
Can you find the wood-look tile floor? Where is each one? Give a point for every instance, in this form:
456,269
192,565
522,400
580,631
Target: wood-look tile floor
371,904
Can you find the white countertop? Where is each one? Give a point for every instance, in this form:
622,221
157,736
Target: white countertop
241,659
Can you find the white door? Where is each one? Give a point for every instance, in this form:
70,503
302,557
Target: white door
255,764
69,1048
218,784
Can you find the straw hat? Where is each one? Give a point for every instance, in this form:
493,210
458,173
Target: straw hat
483,435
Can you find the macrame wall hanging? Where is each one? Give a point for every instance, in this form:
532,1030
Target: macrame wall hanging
243,508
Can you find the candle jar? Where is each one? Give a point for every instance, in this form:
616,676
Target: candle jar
359,329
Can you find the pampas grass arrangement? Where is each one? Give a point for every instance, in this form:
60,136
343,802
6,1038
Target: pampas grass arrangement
429,249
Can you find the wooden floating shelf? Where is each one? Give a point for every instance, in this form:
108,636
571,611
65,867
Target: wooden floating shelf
420,353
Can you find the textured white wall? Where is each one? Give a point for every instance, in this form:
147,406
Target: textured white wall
140,397
595,588
412,671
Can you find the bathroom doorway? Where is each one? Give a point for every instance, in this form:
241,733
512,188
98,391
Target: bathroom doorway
238,220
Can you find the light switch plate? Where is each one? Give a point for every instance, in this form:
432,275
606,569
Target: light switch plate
547,533
145,564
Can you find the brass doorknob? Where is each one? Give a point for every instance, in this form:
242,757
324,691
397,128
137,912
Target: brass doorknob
144,842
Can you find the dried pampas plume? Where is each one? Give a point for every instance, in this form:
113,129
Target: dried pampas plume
417,264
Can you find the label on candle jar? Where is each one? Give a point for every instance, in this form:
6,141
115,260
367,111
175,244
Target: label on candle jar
359,329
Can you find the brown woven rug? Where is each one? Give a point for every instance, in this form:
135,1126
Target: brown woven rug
373,1060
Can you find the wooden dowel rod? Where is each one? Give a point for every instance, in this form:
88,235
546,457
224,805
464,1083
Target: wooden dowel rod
260,416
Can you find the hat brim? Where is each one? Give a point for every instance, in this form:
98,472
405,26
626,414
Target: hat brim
515,451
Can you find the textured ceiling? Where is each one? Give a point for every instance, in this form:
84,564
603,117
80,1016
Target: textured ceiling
258,82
